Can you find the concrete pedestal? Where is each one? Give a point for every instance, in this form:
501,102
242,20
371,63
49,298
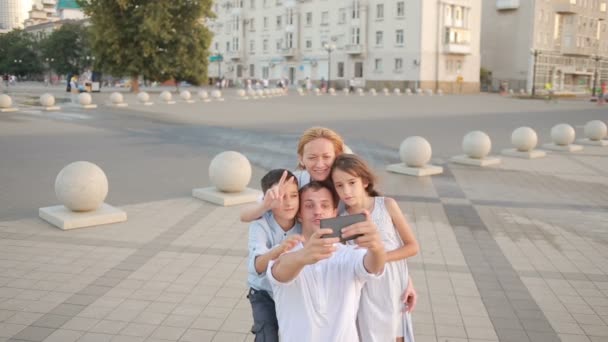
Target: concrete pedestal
512,152
206,100
170,102
563,148
89,106
221,99
427,170
148,103
51,108
590,142
7,110
466,160
120,105
211,194
189,101
65,219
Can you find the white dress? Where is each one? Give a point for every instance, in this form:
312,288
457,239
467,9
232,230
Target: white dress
380,317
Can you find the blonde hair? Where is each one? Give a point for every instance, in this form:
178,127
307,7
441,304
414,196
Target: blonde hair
314,133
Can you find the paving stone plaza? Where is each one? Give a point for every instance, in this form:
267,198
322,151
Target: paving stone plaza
512,252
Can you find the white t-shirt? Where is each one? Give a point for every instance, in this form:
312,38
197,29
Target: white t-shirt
321,303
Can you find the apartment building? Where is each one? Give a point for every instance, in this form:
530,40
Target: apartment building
563,43
12,14
428,44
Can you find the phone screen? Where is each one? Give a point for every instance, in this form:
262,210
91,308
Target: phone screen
337,223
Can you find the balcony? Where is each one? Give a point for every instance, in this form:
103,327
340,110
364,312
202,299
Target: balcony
577,51
353,49
234,55
457,49
289,52
565,6
506,5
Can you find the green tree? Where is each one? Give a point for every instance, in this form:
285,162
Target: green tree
68,47
18,55
159,40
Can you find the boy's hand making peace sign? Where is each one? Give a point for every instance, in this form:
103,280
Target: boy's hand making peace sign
274,196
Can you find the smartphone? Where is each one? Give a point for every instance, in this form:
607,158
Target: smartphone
337,223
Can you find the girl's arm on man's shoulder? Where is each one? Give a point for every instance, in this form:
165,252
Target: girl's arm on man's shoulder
410,245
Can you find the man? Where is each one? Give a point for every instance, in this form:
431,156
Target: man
317,286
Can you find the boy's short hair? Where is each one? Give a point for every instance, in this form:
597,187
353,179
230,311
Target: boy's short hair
274,176
318,185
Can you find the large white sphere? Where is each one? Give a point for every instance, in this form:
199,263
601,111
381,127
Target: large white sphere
266,92
47,100
251,92
562,134
241,92
143,97
372,91
116,98
185,95
216,94
260,92
595,130
397,91
81,186
332,91
476,144
385,91
524,139
85,99
360,91
346,91
300,91
5,101
230,171
317,91
203,94
415,151
166,96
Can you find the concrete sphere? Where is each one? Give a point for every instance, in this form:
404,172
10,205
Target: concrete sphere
372,91
476,144
397,91
241,93
203,94
266,92
143,97
216,94
562,134
595,130
360,91
260,92
440,92
300,91
116,98
85,99
386,91
347,150
185,95
346,91
408,91
429,92
166,96
230,171
5,101
47,100
81,186
415,151
332,91
251,92
419,91
524,139
317,91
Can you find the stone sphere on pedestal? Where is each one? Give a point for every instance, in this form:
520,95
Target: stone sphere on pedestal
85,99
332,91
230,171
143,97
563,134
360,91
346,91
166,96
47,100
415,151
372,91
595,130
251,92
5,101
397,91
185,95
260,92
81,186
203,94
317,91
386,91
216,94
241,93
116,98
267,92
524,139
476,144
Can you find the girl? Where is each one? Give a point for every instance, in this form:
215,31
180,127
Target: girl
382,316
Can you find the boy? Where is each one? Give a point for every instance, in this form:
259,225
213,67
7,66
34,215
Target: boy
276,232
317,286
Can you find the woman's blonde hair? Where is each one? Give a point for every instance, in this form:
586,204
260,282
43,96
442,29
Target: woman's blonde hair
314,133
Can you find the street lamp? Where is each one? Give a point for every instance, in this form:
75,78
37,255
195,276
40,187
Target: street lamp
219,57
18,63
595,75
329,48
535,53
48,62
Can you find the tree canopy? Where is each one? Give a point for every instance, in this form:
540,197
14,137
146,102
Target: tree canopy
68,47
159,40
18,55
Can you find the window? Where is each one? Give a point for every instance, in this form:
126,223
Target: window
252,70
279,18
265,45
252,4
401,9
325,18
227,46
355,12
309,19
399,37
252,24
379,37
380,11
340,69
289,19
235,43
265,72
289,40
355,36
309,44
265,23
252,45
378,64
341,15
398,64
358,69
279,44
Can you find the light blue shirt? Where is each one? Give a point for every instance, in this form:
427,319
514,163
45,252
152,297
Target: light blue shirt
264,234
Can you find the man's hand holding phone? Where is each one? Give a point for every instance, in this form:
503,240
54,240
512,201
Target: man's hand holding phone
366,232
317,247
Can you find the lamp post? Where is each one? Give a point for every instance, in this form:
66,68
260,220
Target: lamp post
329,48
219,57
595,75
535,53
48,62
18,63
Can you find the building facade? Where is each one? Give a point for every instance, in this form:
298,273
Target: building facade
12,14
428,44
42,12
562,44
